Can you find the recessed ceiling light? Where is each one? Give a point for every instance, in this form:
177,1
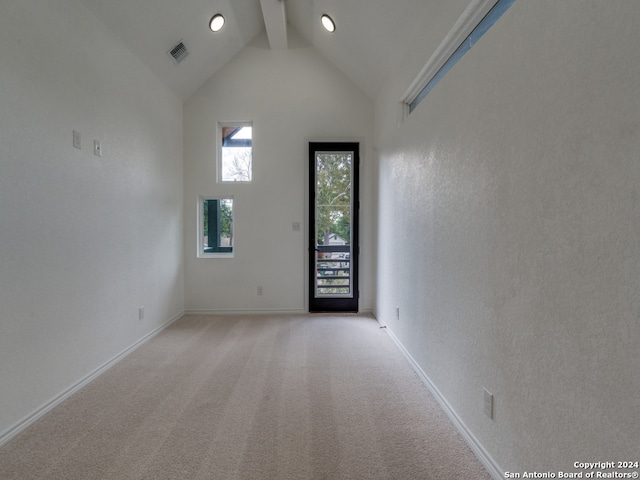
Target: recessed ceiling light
216,22
328,23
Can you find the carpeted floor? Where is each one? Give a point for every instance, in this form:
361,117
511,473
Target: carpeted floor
250,397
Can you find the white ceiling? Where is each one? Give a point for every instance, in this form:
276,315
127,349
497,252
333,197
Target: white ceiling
369,41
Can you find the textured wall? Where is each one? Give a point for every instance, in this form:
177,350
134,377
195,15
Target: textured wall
510,232
84,241
290,96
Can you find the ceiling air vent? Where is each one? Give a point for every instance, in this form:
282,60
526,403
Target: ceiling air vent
179,52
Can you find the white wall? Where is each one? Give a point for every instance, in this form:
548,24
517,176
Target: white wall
510,232
289,95
84,241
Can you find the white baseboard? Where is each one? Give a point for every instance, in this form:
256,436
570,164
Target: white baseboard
492,467
18,427
261,311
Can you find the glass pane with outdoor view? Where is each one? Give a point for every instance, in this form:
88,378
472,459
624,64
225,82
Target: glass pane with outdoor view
333,223
236,151
217,227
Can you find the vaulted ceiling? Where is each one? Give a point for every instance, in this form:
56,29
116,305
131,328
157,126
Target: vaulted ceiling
370,39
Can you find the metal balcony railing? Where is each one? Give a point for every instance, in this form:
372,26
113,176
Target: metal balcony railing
333,270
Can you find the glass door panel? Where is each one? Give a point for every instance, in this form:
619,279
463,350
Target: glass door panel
333,212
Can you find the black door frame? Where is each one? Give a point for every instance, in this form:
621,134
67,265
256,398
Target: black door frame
334,304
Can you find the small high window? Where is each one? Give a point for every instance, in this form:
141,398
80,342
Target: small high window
235,151
475,21
215,225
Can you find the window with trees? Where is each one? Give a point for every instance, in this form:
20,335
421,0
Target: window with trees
235,148
333,197
215,224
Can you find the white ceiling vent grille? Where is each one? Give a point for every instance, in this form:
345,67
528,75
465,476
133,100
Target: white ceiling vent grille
179,52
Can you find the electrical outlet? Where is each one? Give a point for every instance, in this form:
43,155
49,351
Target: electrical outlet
397,313
140,313
260,290
97,148
488,403
77,140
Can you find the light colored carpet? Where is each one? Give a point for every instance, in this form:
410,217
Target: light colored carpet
250,397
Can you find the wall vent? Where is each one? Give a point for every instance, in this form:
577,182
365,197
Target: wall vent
179,52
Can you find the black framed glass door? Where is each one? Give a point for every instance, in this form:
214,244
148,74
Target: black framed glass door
333,226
